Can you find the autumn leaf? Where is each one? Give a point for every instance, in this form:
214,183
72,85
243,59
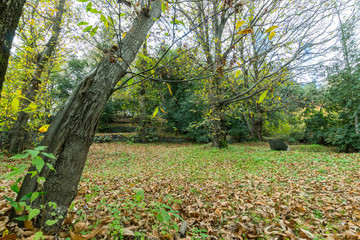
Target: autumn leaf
262,97
169,89
44,128
271,29
246,31
239,24
271,35
15,104
155,112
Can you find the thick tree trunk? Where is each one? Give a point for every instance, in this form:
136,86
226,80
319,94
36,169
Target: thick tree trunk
72,131
18,132
10,12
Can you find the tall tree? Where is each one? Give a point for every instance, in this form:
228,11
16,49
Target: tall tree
10,12
272,35
72,131
18,131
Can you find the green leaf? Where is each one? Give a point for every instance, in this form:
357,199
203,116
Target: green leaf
15,188
178,22
20,156
39,163
49,155
9,199
155,112
41,148
26,197
33,153
19,171
33,173
39,234
104,20
34,196
88,7
93,31
50,166
33,213
82,23
82,0
263,96
53,205
87,29
93,10
163,6
51,222
41,180
22,218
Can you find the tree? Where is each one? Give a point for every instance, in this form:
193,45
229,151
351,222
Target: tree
271,36
10,12
18,131
72,131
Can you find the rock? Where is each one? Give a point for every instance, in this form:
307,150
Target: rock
277,144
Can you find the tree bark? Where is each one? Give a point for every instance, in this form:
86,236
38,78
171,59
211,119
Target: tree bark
72,131
18,132
10,12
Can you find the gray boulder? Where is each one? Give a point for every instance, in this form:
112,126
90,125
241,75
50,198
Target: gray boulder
278,144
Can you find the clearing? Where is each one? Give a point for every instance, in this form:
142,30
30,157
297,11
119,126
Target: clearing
243,192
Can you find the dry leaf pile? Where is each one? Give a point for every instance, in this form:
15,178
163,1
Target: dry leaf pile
244,192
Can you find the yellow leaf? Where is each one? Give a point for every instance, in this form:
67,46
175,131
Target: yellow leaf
239,24
246,31
163,110
124,34
263,96
216,40
237,73
271,35
155,112
279,98
271,28
169,88
238,64
44,128
15,104
32,106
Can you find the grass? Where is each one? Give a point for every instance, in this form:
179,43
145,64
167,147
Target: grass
245,191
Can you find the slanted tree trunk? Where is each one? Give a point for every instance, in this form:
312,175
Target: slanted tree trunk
18,132
10,12
72,131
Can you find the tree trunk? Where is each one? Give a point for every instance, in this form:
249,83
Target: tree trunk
10,12
143,119
18,132
218,126
72,131
356,123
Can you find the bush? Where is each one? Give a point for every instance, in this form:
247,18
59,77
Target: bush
315,128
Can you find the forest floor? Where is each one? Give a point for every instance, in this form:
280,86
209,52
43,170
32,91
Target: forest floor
243,192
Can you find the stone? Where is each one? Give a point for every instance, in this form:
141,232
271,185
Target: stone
277,144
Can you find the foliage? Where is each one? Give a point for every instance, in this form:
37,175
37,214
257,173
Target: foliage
23,208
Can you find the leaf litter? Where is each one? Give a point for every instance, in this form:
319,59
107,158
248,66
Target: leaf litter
244,192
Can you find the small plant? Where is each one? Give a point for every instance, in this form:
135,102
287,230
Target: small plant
165,216
24,206
197,232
